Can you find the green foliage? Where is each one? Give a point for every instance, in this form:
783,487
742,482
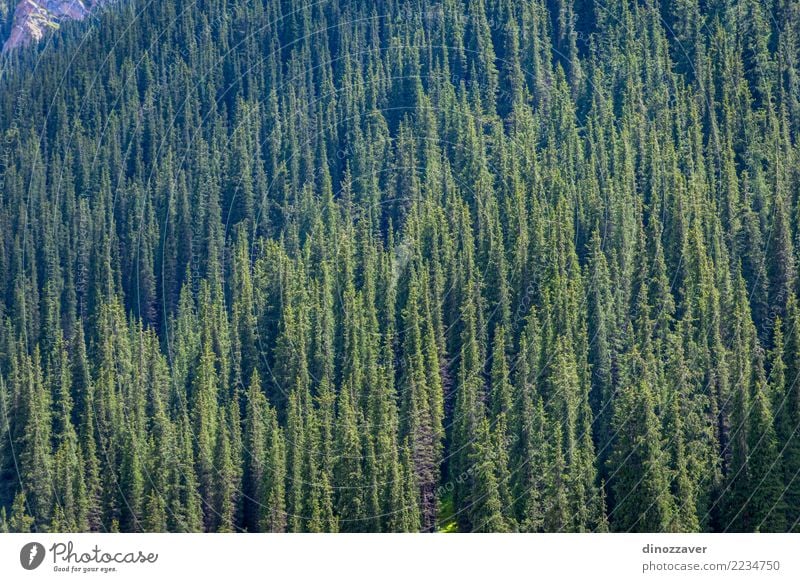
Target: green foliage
479,266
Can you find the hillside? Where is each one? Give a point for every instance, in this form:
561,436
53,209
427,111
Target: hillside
465,265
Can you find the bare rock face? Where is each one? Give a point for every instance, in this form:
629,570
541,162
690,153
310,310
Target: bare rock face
34,18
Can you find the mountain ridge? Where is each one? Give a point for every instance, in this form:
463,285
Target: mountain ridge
33,18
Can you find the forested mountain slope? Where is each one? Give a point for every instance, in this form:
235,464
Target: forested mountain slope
352,265
6,18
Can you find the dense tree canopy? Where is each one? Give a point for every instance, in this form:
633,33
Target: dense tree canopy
347,265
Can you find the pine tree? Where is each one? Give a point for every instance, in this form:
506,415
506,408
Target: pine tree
20,521
787,405
485,505
348,472
638,472
765,504
205,419
224,487
255,460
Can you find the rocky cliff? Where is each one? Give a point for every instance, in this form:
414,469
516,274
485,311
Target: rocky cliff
34,18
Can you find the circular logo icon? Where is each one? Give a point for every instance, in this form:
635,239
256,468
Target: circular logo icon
31,555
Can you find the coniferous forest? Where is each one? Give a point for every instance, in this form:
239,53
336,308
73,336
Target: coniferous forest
402,265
